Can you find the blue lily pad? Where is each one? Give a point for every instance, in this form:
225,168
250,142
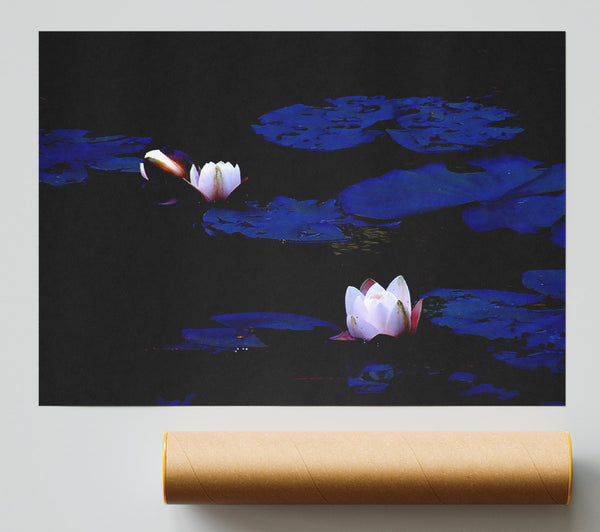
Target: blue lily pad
373,378
272,320
553,360
427,124
496,314
175,402
360,385
440,127
284,219
378,372
524,215
548,282
462,377
501,393
195,339
402,193
65,154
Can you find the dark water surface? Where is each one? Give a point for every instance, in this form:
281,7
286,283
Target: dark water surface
121,276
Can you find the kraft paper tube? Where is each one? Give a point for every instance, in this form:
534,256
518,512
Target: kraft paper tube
367,467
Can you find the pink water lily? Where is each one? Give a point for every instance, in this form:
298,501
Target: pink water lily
373,310
216,181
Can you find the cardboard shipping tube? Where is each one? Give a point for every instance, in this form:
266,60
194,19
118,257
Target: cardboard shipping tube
367,467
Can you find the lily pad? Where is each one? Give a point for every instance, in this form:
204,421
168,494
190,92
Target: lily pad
501,393
175,402
439,127
284,219
194,339
462,377
272,320
496,314
373,378
524,215
360,385
552,360
65,154
427,124
548,282
402,193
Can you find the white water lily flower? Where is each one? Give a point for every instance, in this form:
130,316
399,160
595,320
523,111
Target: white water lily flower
373,310
216,181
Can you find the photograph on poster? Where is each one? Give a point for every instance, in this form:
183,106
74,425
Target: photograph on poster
335,218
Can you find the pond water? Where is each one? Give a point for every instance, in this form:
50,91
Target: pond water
149,295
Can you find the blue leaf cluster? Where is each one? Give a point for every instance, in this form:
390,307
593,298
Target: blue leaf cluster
240,330
427,125
501,393
65,155
285,219
547,282
374,378
496,314
554,360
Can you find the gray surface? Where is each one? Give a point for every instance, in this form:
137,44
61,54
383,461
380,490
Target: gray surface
99,469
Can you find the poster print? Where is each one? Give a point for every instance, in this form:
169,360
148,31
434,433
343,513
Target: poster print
302,218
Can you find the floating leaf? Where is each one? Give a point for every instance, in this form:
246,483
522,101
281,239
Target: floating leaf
501,393
361,385
462,377
341,124
496,314
373,378
402,193
553,360
65,154
175,402
439,127
272,320
427,124
284,219
195,339
524,215
548,282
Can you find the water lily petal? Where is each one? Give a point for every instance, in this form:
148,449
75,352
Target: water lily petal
399,288
414,316
143,172
351,295
360,328
386,298
194,176
375,289
343,336
364,288
165,162
360,309
398,320
378,317
231,178
210,181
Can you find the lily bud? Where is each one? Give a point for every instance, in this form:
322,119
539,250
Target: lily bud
161,166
